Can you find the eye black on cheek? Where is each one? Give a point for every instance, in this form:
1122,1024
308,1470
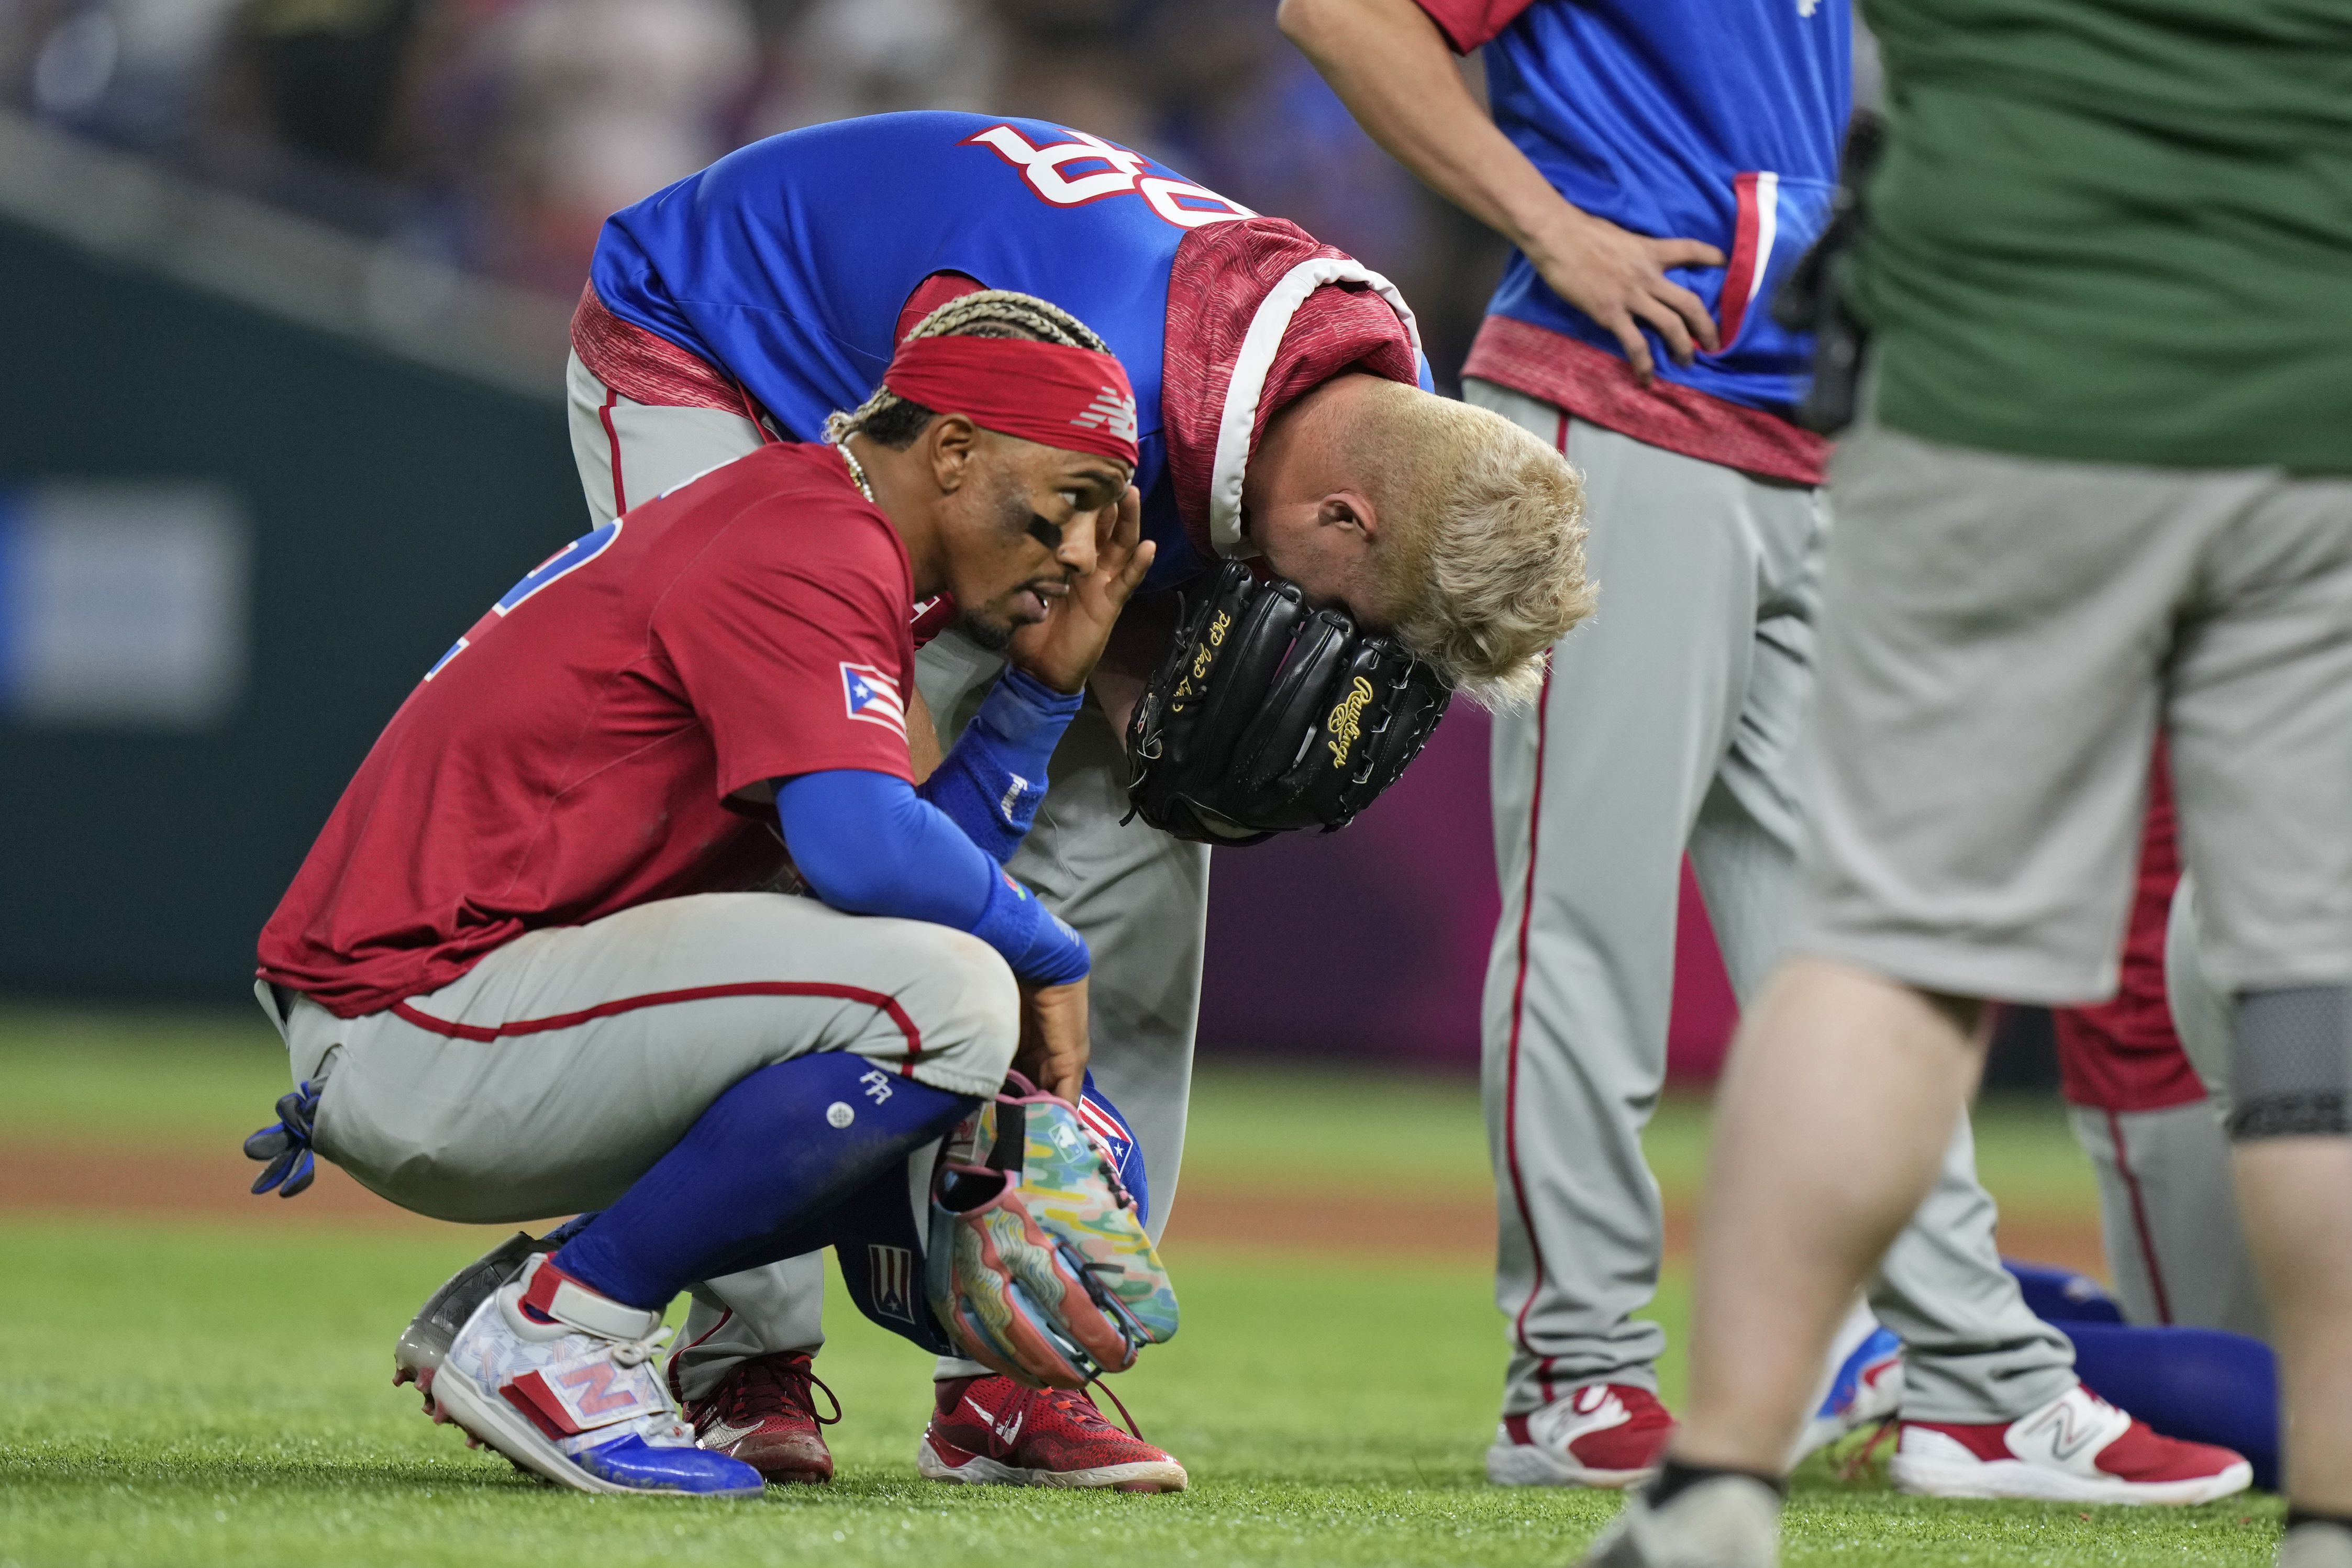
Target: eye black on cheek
1046,533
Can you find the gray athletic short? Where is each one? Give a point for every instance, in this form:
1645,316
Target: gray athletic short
2000,637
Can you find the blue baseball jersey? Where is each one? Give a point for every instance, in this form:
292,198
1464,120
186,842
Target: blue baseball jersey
787,262
1711,119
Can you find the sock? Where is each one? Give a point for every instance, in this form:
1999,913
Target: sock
781,1147
1675,1478
567,1229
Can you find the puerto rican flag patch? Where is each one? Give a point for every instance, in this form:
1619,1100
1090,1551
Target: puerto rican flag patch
873,697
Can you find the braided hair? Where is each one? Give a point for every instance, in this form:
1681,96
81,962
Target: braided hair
891,421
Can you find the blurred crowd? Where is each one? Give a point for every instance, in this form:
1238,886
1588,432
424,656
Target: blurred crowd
497,134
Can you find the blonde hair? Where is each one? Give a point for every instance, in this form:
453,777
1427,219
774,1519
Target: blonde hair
1480,560
895,422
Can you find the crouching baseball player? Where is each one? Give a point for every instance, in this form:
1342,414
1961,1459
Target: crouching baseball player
537,961
1278,414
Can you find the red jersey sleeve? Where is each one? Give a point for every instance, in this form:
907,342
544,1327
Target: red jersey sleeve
789,638
1468,23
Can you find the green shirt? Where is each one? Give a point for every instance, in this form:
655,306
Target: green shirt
2117,230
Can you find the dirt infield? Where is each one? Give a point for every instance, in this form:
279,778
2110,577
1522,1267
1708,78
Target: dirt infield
79,1178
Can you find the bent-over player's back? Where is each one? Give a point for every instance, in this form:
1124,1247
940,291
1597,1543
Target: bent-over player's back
788,262
572,754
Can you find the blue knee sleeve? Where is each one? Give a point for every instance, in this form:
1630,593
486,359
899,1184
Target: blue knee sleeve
772,1156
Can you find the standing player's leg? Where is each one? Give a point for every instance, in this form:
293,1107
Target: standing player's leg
2181,1162
2167,1203
1595,794
1140,899
2262,722
2168,1218
1973,1353
2005,620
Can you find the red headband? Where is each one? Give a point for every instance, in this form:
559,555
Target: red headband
1050,394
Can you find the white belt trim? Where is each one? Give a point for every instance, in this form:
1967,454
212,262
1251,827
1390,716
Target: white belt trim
1248,388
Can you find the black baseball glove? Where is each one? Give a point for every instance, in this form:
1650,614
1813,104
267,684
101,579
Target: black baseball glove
1266,717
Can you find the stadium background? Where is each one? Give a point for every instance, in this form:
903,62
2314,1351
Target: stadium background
287,287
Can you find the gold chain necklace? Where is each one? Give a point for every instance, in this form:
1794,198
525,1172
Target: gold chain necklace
856,469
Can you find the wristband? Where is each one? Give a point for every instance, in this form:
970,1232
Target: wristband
993,778
1038,944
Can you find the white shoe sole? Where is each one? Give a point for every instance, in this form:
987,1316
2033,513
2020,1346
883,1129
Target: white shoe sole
2015,1479
1528,1465
980,1470
506,1431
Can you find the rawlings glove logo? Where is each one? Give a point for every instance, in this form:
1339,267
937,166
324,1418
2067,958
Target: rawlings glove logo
1307,720
1346,720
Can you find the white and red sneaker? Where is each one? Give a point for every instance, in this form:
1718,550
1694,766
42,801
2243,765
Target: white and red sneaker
1598,1435
2077,1449
556,1376
992,1431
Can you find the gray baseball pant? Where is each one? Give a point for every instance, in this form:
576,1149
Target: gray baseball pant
2168,1218
554,1072
1139,897
2168,1197
1668,725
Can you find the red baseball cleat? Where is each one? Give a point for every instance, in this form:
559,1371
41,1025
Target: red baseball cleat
1601,1435
764,1412
2077,1449
993,1431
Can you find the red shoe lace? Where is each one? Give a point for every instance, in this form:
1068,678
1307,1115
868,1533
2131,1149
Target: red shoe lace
1069,1397
791,1379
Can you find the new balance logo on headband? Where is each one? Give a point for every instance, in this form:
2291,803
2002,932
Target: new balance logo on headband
1113,411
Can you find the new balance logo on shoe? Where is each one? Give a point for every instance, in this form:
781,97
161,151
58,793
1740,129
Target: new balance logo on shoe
2077,1449
2064,1430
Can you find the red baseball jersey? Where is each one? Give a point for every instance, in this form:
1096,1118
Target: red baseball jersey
579,751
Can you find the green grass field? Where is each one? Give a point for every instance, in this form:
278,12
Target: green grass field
212,1386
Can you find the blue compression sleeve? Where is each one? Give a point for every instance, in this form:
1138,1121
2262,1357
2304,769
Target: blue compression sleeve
864,843
994,776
